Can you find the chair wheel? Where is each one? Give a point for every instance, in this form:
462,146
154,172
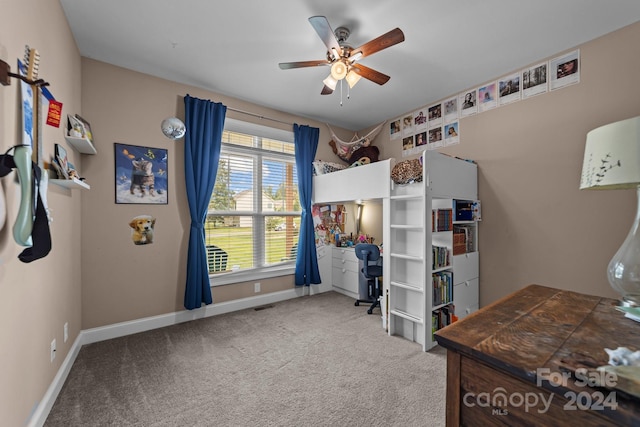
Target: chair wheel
357,303
370,311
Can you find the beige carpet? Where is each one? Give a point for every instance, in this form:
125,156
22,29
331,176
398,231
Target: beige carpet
311,361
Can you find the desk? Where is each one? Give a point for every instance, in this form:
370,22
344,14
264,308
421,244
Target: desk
537,344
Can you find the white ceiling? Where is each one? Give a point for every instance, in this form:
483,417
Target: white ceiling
234,47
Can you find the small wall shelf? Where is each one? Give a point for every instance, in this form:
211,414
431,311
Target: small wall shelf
71,183
82,145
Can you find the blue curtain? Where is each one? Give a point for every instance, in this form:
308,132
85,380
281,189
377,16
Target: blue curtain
204,121
306,144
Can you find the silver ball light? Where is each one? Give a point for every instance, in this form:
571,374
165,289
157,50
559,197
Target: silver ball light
173,128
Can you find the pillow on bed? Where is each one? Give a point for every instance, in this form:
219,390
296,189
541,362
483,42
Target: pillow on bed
407,171
321,167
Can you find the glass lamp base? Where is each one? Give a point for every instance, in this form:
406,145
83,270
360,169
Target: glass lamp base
624,269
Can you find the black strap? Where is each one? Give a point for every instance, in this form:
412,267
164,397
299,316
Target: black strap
40,234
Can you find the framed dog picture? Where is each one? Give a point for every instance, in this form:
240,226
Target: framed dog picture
140,174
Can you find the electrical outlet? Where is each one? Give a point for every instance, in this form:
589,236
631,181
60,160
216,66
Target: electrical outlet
53,350
66,331
256,287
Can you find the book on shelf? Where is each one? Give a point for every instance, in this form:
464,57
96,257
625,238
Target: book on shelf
443,316
61,161
442,287
442,219
441,257
464,210
459,241
463,239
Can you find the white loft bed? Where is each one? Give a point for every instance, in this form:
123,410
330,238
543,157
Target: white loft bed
367,182
408,261
443,176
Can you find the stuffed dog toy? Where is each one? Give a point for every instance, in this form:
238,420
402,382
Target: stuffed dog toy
142,176
142,229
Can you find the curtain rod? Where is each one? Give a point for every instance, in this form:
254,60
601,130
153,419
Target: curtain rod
259,116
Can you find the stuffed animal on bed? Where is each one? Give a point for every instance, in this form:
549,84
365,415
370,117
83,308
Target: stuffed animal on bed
346,150
364,156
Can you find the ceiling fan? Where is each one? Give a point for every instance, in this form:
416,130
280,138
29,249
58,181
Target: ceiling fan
343,58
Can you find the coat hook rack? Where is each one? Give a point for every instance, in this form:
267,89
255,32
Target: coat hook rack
5,74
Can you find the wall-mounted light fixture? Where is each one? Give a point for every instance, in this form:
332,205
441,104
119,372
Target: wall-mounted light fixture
359,209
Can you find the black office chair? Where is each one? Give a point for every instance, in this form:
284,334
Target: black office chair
372,272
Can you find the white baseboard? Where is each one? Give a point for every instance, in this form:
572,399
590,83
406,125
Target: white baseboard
44,407
148,323
116,330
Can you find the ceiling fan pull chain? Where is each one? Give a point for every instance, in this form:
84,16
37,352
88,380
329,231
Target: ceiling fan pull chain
341,93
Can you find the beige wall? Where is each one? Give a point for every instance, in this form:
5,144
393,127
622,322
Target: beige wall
37,298
122,281
537,226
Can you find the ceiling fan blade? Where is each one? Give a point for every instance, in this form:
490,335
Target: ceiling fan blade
302,64
391,38
322,27
326,90
371,74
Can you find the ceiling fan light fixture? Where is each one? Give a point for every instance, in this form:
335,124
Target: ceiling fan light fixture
330,82
355,56
352,78
341,57
338,70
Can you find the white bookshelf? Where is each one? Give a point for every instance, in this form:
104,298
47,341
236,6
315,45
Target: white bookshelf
412,303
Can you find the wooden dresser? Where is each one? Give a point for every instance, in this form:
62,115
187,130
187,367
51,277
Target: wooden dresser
530,359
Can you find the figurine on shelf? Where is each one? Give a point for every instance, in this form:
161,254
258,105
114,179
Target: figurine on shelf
73,174
75,127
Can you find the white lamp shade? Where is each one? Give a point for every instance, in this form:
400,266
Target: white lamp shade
352,78
612,156
338,70
330,82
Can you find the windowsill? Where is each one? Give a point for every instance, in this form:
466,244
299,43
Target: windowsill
231,277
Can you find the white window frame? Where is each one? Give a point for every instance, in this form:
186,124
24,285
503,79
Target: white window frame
258,273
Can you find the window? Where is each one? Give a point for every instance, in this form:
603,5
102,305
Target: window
253,219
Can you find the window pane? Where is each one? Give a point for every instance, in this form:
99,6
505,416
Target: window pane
238,139
279,184
278,146
281,238
236,240
254,212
